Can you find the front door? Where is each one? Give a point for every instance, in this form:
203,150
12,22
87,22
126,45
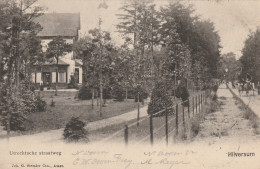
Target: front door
46,79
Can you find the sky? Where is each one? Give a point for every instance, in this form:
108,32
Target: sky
233,19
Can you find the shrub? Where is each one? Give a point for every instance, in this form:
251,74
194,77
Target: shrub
40,104
32,102
73,83
118,93
183,93
75,131
107,93
215,88
15,107
18,112
160,98
85,93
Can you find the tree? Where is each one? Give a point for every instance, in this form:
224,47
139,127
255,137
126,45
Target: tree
57,48
250,59
84,49
102,58
199,37
17,24
96,52
139,23
228,62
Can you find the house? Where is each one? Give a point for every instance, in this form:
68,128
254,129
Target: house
66,25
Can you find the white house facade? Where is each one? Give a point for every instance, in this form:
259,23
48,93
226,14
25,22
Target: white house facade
66,25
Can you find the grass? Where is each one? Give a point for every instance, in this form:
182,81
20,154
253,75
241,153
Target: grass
137,134
254,121
212,105
251,116
56,117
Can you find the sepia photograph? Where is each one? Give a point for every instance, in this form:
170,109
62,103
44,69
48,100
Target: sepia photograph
130,84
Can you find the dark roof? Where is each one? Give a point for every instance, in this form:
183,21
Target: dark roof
59,24
52,61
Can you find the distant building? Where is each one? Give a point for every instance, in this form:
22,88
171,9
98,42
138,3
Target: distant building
66,25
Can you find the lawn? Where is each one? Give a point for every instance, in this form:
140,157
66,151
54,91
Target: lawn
66,107
139,134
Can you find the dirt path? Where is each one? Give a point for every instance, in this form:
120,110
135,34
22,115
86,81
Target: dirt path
227,124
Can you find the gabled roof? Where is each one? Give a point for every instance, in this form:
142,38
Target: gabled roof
59,24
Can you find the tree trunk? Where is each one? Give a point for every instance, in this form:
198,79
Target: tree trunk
101,96
126,94
93,93
56,85
84,68
97,99
138,108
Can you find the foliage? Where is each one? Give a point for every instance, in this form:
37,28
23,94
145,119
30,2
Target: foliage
184,36
19,47
250,59
57,48
139,24
229,63
183,93
40,104
107,93
215,88
142,94
73,83
96,52
160,98
85,93
75,131
13,109
118,93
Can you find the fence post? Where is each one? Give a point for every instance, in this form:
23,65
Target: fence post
199,103
183,119
193,108
177,123
204,97
166,125
201,99
196,105
138,109
126,135
151,129
188,107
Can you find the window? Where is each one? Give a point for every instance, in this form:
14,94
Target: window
33,78
62,77
38,77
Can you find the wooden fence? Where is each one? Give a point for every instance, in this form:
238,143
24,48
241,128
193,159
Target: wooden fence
179,116
182,115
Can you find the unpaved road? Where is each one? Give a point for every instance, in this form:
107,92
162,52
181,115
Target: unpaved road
227,124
